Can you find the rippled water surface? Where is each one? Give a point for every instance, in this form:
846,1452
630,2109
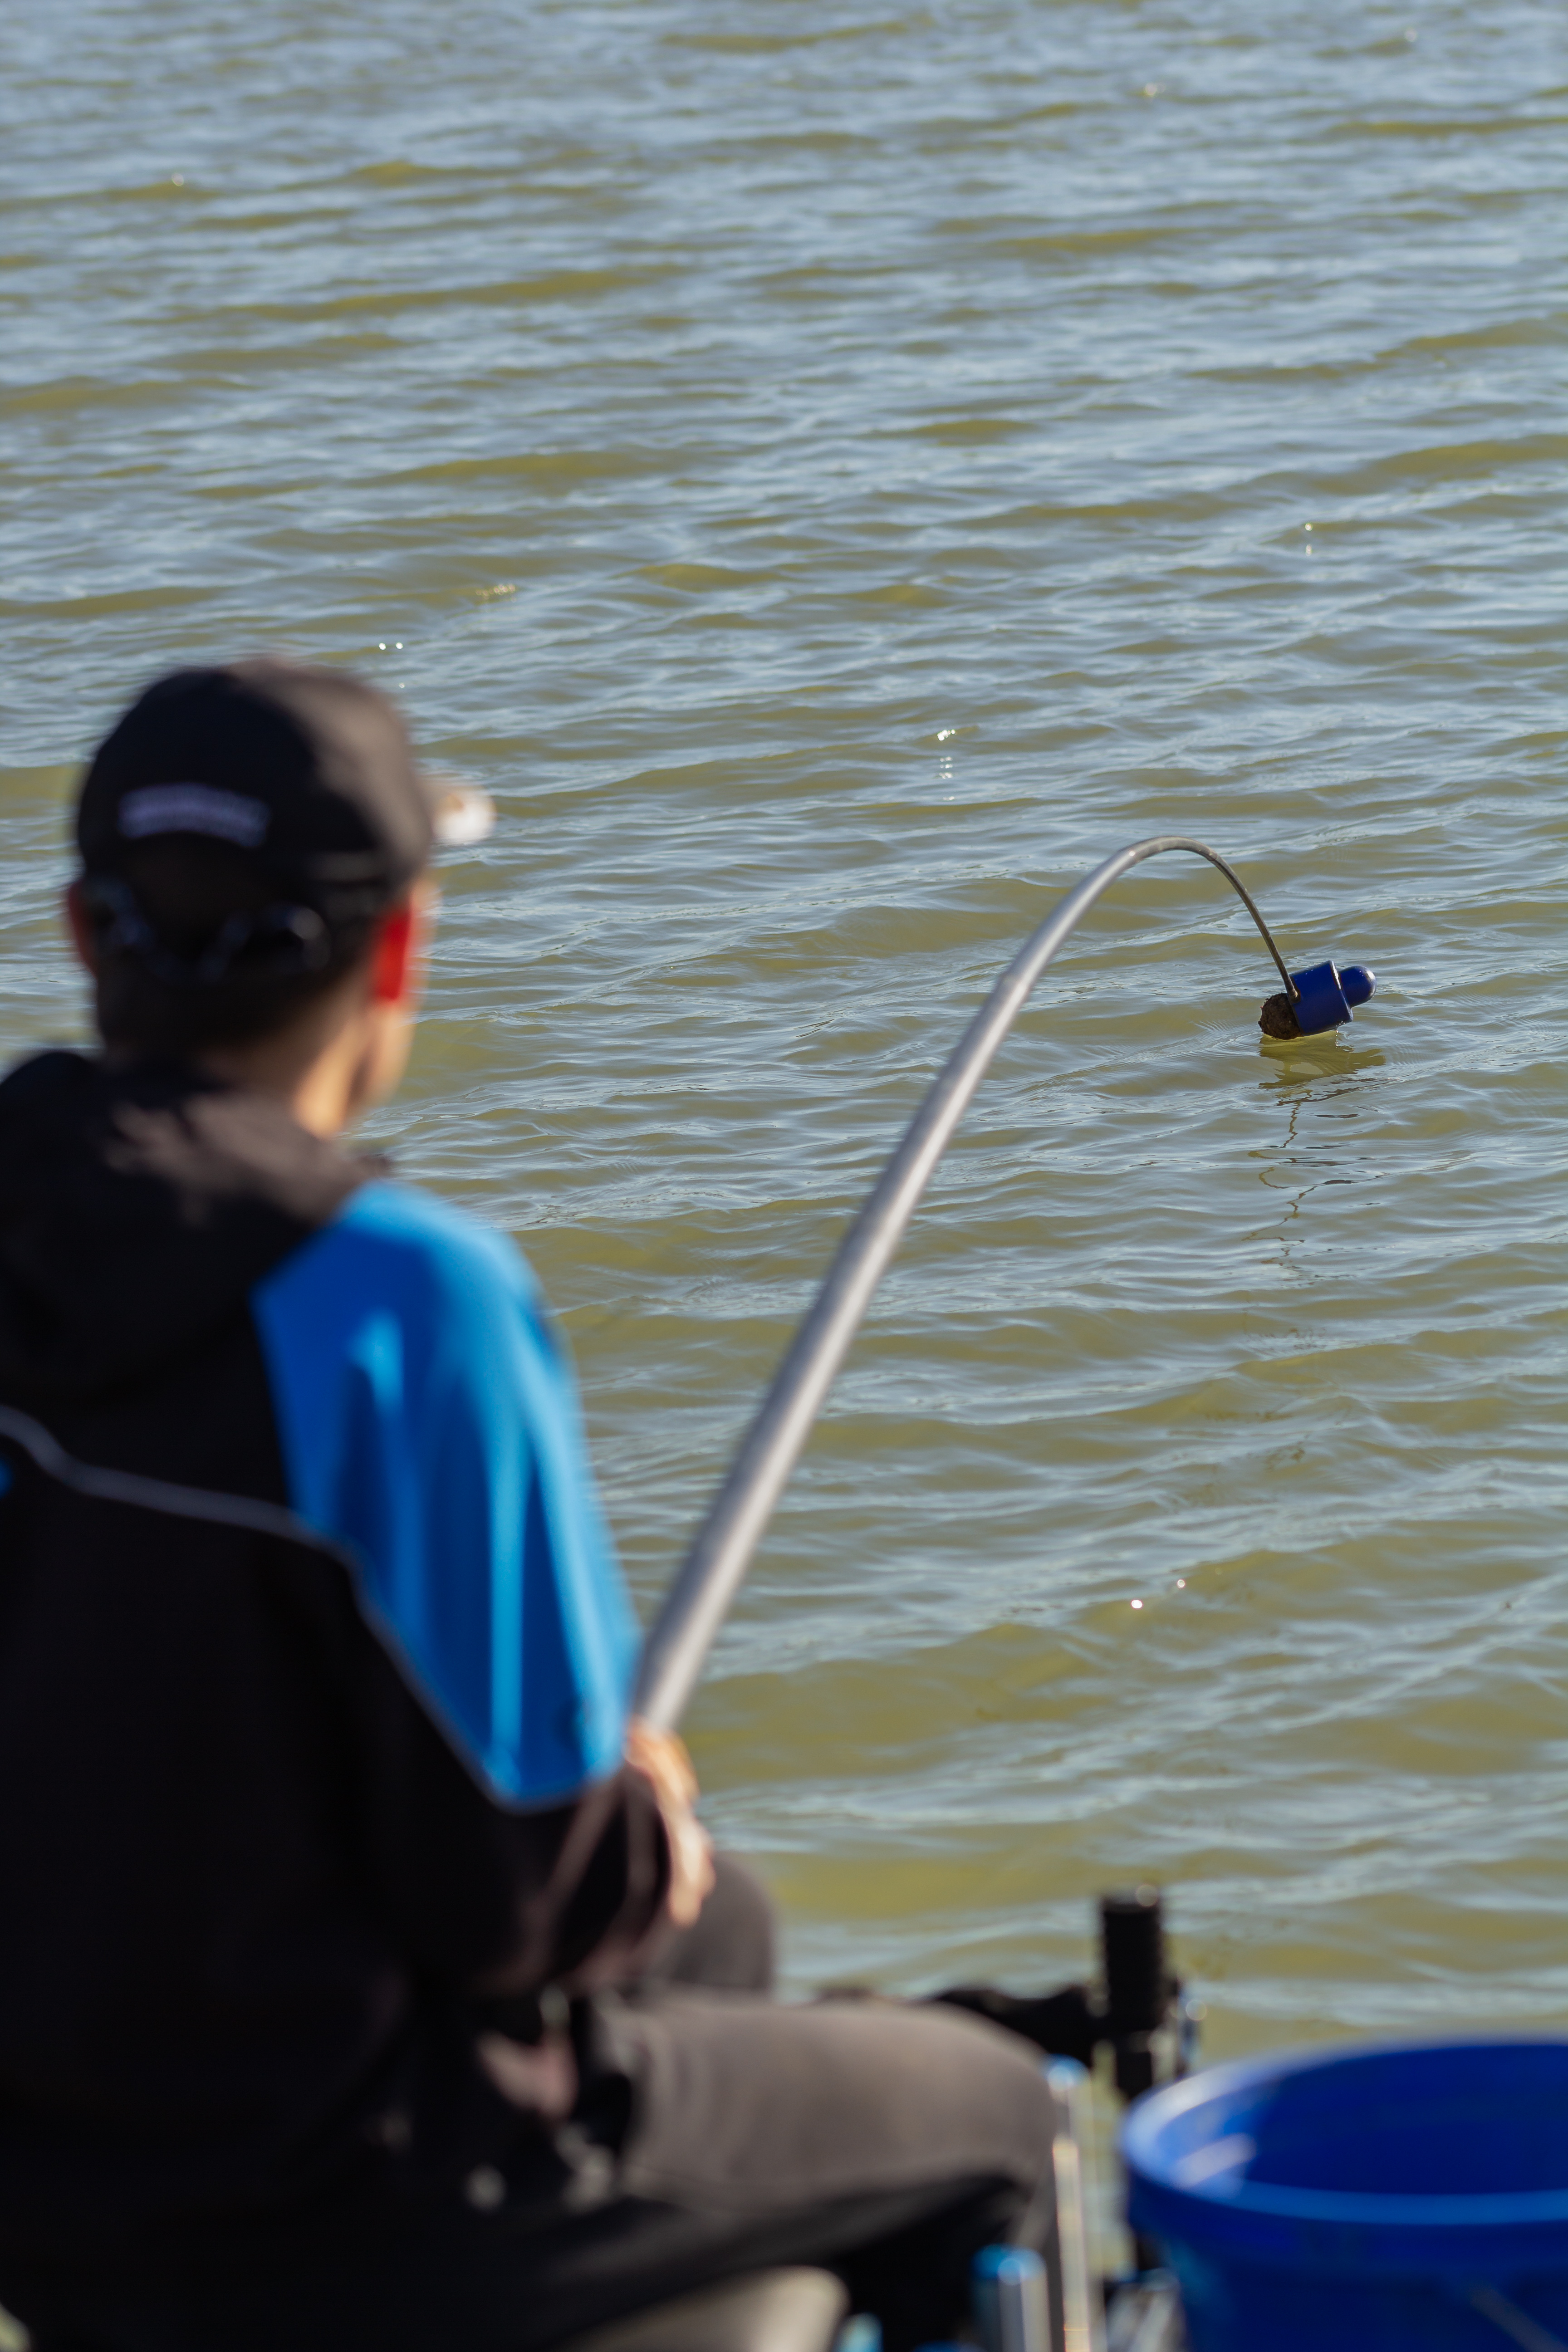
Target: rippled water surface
835,471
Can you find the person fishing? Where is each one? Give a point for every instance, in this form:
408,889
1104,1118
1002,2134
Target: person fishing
366,1977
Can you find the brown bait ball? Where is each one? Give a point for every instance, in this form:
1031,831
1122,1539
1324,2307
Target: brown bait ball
1277,1018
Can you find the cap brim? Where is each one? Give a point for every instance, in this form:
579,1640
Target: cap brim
460,814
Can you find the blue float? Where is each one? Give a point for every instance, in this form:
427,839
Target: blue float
1325,995
1410,2198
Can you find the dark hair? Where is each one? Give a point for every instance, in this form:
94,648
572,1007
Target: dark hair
192,948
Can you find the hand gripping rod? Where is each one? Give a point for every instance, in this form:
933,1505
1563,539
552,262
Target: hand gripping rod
697,1603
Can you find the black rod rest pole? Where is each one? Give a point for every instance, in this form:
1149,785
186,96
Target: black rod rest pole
696,1605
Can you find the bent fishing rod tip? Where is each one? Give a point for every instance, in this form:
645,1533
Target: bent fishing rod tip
1323,997
694,1608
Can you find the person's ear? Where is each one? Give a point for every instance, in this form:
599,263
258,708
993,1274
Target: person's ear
396,960
392,957
80,925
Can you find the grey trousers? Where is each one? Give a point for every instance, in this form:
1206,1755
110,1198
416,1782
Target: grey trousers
719,2132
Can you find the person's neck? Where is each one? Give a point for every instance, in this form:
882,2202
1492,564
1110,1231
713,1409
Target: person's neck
322,1082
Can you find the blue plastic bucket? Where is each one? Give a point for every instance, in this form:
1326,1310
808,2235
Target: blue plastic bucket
1411,2197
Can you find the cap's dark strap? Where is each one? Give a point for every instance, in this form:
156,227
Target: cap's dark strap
272,943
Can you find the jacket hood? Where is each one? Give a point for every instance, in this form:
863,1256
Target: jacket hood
139,1206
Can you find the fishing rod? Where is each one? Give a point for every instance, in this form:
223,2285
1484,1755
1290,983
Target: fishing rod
693,1611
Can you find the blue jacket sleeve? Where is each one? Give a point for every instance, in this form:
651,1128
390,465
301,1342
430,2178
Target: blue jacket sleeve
429,1426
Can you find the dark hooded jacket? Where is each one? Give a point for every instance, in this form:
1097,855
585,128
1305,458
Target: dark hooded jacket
277,1817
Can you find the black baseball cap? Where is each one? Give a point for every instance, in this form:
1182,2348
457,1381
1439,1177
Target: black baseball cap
307,776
